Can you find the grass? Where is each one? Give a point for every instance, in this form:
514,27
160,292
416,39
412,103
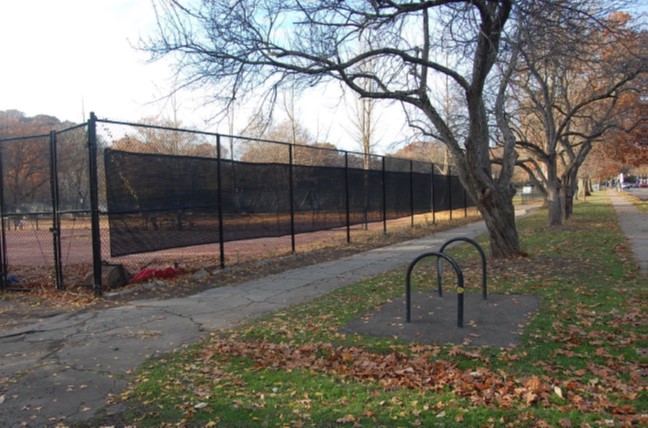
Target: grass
642,205
579,362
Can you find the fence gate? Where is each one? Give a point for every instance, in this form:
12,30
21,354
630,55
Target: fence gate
29,235
44,185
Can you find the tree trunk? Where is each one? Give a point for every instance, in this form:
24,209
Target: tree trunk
554,203
586,184
568,201
499,215
569,191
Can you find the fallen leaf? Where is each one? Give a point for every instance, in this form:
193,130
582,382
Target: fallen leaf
530,397
346,419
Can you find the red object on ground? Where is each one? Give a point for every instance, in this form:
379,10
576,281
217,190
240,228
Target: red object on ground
153,273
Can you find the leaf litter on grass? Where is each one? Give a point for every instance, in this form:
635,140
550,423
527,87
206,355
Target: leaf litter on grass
579,362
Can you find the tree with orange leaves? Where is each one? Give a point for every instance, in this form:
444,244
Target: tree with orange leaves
25,155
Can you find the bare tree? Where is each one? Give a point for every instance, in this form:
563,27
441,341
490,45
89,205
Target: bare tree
291,123
564,91
364,121
165,136
364,112
284,134
427,151
247,45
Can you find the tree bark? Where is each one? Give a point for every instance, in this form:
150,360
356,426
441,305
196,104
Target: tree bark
568,201
569,192
498,213
554,202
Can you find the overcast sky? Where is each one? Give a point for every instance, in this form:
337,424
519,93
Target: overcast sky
66,58
58,56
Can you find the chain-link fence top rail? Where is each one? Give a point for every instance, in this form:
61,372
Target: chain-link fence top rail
179,193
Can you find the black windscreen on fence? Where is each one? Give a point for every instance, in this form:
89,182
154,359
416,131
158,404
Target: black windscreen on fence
157,202
457,193
397,192
441,193
255,201
365,196
319,198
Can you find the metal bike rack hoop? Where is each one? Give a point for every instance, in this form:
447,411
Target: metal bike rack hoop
460,284
483,258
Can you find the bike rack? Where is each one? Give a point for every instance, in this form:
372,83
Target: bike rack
460,284
481,253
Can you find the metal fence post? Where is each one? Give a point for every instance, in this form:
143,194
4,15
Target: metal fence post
449,181
56,220
219,179
3,236
411,183
384,196
346,196
433,198
291,197
94,203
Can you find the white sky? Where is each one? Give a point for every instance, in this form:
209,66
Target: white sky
66,58
58,55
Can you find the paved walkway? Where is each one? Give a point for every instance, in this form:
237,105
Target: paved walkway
62,369
634,224
66,366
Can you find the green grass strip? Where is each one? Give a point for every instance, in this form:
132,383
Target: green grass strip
579,361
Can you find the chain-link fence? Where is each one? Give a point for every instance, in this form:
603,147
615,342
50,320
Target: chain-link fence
45,234
119,193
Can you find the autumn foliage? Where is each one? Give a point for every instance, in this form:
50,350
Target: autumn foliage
578,363
421,370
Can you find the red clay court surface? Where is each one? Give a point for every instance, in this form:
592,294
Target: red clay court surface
30,250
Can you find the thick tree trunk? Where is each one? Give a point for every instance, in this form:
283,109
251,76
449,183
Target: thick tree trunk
568,201
587,187
554,203
499,215
495,203
569,192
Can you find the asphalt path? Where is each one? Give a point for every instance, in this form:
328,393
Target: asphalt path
634,224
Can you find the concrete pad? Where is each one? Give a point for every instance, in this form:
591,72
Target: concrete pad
496,322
